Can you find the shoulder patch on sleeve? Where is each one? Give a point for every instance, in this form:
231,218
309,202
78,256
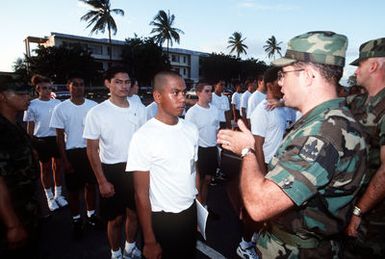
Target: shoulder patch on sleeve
311,149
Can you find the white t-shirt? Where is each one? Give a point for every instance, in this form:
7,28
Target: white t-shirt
207,122
135,98
151,110
71,118
271,125
169,153
254,99
222,104
244,100
114,127
40,113
236,100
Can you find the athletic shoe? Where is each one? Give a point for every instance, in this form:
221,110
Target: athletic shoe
94,221
61,201
77,225
52,205
248,253
134,254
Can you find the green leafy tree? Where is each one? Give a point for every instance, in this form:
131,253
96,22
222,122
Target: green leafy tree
236,44
163,29
226,67
272,47
100,17
58,63
144,58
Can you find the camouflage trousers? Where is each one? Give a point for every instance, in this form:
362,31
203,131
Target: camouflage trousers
269,247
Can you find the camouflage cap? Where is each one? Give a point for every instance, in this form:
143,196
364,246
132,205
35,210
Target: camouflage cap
323,47
371,49
16,87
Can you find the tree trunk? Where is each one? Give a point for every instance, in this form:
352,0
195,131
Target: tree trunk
110,43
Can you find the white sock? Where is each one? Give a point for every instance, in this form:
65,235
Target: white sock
129,246
48,193
116,254
76,217
57,190
90,213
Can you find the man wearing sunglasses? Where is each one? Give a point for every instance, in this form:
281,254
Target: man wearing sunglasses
313,179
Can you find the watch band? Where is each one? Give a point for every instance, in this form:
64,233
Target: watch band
247,151
357,211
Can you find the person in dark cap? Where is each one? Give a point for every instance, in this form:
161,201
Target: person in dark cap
18,176
313,179
369,109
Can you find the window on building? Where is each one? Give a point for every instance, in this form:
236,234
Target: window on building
184,59
174,58
95,49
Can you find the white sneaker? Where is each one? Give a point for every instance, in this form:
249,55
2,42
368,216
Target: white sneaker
61,201
134,254
52,205
248,253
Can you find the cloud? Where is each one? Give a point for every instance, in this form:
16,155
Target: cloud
250,4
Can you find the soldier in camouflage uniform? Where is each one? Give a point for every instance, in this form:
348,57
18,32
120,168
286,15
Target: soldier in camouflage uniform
18,176
313,180
369,110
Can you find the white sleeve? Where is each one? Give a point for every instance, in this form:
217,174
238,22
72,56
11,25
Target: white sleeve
243,101
92,129
57,120
258,121
28,115
138,154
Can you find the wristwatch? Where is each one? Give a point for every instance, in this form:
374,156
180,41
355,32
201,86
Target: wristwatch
357,211
247,151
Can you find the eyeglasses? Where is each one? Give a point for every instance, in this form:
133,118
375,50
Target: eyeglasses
281,74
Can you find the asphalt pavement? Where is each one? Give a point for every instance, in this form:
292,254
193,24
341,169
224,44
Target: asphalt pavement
222,231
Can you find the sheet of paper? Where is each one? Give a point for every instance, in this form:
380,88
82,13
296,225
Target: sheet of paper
202,218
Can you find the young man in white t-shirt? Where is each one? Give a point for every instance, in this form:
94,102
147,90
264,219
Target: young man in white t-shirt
38,117
256,98
205,116
222,103
162,157
236,101
250,85
68,119
108,129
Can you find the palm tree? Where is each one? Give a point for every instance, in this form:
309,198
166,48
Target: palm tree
272,47
163,29
236,44
100,16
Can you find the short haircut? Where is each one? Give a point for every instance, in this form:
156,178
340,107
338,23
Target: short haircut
247,82
112,71
74,76
200,86
160,79
331,73
271,74
37,79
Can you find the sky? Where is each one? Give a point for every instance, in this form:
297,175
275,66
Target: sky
207,24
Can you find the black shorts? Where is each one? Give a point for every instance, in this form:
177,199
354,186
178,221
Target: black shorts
46,148
207,160
176,232
124,196
82,170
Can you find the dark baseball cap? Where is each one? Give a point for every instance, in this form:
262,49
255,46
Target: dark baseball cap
16,87
371,49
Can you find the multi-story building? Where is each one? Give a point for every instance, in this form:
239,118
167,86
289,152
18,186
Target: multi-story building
185,62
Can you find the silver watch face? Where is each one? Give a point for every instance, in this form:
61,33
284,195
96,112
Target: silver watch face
245,151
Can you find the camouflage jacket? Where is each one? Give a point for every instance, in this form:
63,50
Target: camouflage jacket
19,169
370,112
320,165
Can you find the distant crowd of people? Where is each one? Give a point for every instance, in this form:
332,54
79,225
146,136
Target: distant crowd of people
312,157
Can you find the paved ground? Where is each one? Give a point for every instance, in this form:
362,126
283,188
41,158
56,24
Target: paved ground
223,233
